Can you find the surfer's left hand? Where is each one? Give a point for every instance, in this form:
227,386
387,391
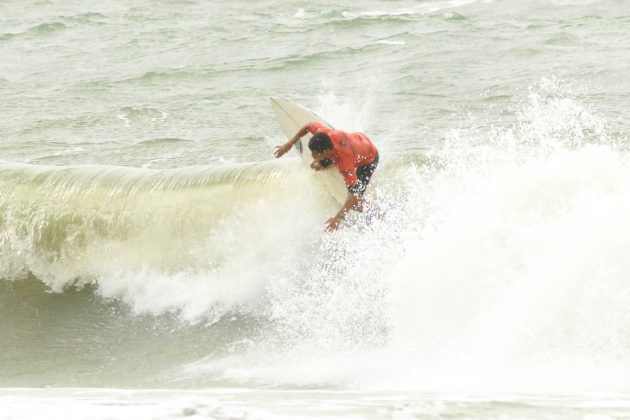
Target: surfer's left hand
333,223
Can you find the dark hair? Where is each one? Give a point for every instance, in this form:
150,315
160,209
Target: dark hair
320,142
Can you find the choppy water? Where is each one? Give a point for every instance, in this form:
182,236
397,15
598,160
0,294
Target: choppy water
152,250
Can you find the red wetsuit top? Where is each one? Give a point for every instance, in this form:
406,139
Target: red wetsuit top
350,150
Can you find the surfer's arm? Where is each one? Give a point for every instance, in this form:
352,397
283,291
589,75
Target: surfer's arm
281,150
351,202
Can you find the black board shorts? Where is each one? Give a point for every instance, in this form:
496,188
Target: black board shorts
364,173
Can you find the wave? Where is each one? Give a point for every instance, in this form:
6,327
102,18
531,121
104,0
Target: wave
164,140
501,265
296,60
88,17
63,23
170,75
7,36
495,262
454,16
69,225
264,64
200,255
344,17
47,27
77,337
42,28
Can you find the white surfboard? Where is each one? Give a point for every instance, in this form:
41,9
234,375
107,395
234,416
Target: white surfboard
291,118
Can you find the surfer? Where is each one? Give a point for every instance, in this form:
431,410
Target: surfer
354,154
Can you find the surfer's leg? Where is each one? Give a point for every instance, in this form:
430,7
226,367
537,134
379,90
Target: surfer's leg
364,173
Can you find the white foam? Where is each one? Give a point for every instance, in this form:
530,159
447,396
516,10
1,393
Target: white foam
505,268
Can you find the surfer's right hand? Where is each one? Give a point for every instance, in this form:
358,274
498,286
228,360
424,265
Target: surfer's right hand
281,150
316,166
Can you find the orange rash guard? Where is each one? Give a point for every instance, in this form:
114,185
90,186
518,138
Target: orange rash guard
350,150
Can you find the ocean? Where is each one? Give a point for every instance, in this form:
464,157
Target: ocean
157,261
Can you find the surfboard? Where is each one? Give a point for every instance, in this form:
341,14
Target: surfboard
291,117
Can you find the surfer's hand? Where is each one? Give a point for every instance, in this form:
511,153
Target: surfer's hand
316,166
281,150
333,223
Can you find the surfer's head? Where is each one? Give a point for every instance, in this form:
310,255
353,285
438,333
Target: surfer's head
319,143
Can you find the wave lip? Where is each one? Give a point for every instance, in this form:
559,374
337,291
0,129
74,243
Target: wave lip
134,232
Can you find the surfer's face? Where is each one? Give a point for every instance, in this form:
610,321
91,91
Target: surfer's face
321,155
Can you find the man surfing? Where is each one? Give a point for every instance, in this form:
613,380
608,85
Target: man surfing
354,154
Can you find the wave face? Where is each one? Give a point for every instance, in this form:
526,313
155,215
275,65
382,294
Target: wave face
152,255
497,261
117,227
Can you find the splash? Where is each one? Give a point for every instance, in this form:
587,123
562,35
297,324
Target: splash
517,281
502,268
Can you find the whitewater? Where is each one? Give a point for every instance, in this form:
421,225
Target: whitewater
157,262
